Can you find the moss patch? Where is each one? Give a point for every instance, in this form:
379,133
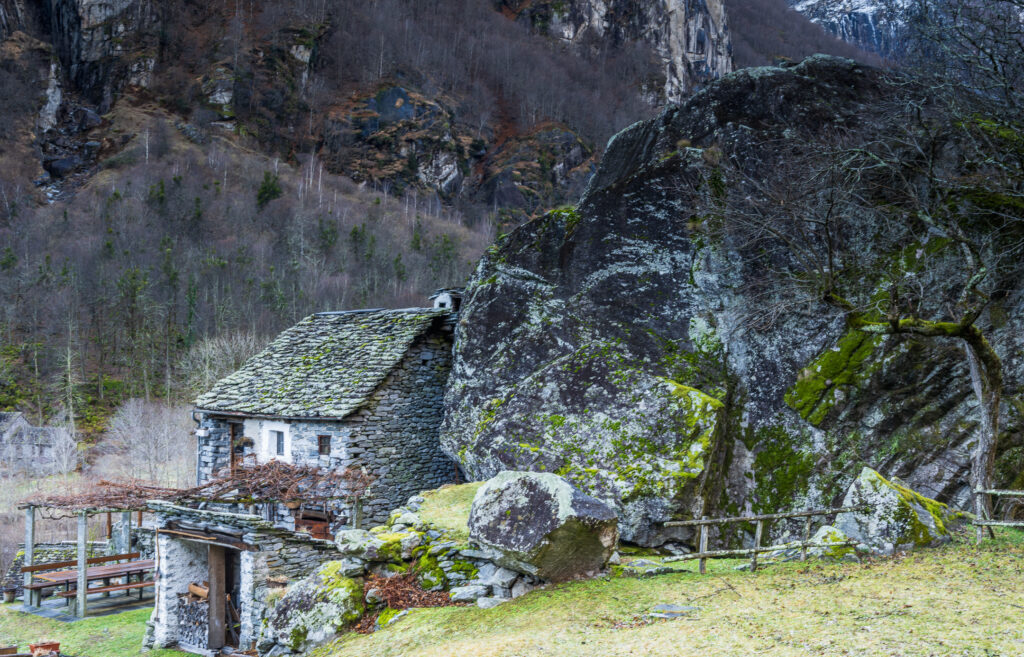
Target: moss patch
447,508
820,385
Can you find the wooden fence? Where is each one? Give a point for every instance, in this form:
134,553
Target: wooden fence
703,554
981,523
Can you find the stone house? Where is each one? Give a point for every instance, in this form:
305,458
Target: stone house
360,389
26,448
357,389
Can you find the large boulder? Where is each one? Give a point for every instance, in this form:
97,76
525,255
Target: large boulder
658,363
895,517
537,523
313,610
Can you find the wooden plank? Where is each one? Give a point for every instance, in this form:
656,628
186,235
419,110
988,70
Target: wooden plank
218,601
68,564
998,523
108,589
199,591
746,552
998,492
757,544
807,537
769,516
703,547
99,572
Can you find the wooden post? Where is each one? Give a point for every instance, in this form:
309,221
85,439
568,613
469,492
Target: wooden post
30,542
138,519
703,547
83,583
110,526
217,605
357,513
807,537
757,544
979,510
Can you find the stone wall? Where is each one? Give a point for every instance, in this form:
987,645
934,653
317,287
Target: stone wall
275,557
394,436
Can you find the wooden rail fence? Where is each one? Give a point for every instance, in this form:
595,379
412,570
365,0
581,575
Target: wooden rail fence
703,554
981,523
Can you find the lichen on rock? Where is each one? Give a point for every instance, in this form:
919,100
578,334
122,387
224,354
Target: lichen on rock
313,609
895,517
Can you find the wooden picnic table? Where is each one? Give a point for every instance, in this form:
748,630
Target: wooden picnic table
103,573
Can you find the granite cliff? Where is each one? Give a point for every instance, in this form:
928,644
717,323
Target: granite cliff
620,343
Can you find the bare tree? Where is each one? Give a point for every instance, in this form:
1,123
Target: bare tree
154,442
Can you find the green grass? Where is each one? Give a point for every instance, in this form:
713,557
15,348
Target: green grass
956,600
117,635
448,507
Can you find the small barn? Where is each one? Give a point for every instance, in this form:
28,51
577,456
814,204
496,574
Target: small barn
357,389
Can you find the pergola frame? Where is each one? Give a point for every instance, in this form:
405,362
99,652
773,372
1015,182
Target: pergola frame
82,558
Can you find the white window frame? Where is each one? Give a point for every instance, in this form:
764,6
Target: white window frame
268,442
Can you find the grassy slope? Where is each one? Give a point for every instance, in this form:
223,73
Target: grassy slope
118,635
448,507
956,600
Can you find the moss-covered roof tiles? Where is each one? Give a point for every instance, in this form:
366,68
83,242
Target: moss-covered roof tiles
323,367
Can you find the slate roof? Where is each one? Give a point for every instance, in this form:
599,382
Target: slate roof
323,367
7,419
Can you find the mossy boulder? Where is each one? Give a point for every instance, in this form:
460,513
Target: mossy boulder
895,517
536,523
313,610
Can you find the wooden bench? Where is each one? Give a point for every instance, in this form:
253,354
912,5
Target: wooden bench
34,590
109,589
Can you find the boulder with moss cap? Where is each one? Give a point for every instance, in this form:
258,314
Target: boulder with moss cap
893,516
312,610
536,523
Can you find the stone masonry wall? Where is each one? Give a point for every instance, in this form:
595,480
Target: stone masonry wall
277,557
394,436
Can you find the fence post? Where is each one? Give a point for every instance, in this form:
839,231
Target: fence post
703,546
979,510
807,537
757,544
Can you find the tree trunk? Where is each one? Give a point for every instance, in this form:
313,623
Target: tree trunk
988,391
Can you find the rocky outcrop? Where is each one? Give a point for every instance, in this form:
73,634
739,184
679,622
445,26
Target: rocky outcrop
868,24
312,610
893,516
690,37
536,523
105,45
623,347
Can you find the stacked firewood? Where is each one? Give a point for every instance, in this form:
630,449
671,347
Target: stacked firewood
194,616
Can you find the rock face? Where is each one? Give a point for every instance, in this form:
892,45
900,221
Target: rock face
617,344
690,37
537,523
312,610
105,45
896,518
868,24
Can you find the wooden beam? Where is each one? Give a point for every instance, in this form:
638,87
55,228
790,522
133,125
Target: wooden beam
770,516
92,561
83,582
218,601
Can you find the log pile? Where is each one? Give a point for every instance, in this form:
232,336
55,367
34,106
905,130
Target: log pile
194,617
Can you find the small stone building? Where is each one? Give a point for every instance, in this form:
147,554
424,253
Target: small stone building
359,388
25,448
